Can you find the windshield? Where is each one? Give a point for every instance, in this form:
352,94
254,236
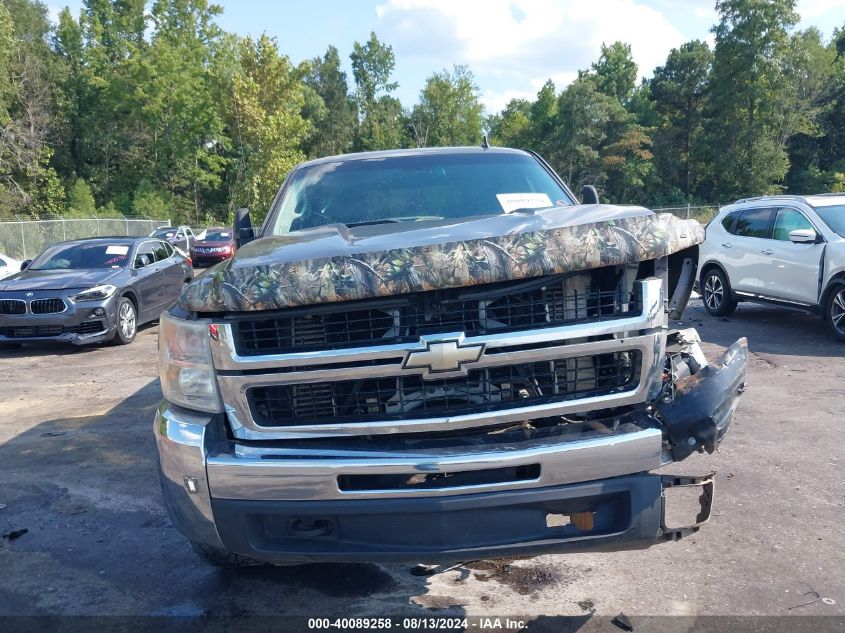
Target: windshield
834,217
166,232
83,256
213,235
431,186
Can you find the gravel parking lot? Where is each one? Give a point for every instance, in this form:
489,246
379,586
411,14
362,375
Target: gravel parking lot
78,472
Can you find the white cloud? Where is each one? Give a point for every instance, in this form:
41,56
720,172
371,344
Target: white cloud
495,101
815,8
525,39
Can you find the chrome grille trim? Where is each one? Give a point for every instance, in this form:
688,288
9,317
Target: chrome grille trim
644,332
233,389
226,357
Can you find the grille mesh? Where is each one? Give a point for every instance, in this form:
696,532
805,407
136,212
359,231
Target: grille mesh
12,306
47,306
509,307
402,397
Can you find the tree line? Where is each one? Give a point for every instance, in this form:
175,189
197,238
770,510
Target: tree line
154,110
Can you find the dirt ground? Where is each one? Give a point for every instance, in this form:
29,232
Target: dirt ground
77,470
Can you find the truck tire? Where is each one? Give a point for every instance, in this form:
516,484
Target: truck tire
716,293
835,310
221,557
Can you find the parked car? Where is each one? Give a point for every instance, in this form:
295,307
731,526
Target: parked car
439,355
91,290
181,237
216,245
8,266
780,250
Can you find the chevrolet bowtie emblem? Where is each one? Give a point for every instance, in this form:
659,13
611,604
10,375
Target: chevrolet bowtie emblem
443,356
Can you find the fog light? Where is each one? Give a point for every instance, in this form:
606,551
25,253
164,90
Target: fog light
99,312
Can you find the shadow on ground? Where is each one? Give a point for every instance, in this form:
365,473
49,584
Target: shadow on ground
770,330
99,541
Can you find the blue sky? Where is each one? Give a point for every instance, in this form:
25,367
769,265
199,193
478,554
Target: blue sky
512,46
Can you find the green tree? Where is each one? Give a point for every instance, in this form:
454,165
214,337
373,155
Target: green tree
178,109
512,126
543,115
814,93
107,136
749,88
449,112
80,200
380,114
583,114
265,99
335,130
615,71
31,71
679,91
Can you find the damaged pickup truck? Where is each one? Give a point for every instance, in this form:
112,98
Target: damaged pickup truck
438,355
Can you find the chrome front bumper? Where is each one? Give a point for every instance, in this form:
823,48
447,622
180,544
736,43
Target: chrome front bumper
289,510
199,470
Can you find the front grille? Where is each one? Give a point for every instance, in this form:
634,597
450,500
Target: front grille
481,390
562,299
12,306
47,306
30,331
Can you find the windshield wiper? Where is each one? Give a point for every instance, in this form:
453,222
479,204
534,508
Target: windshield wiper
407,218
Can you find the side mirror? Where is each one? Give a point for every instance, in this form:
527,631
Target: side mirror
589,195
243,231
142,260
25,264
803,236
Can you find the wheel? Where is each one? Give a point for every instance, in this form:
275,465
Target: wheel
716,293
127,322
221,557
835,310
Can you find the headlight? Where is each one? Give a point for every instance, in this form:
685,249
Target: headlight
184,356
97,293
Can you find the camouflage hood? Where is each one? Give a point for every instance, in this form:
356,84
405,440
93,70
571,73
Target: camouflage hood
335,263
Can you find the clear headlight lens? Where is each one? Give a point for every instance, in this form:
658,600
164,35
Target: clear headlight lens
97,293
185,366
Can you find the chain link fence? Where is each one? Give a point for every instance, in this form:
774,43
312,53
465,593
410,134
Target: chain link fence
701,213
24,239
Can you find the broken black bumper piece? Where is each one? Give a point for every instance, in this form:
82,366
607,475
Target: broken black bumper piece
699,414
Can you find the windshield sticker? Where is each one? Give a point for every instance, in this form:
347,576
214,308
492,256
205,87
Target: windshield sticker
117,249
515,201
224,235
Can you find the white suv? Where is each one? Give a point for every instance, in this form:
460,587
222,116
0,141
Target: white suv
781,250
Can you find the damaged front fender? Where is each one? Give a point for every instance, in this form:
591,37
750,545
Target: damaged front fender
698,415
